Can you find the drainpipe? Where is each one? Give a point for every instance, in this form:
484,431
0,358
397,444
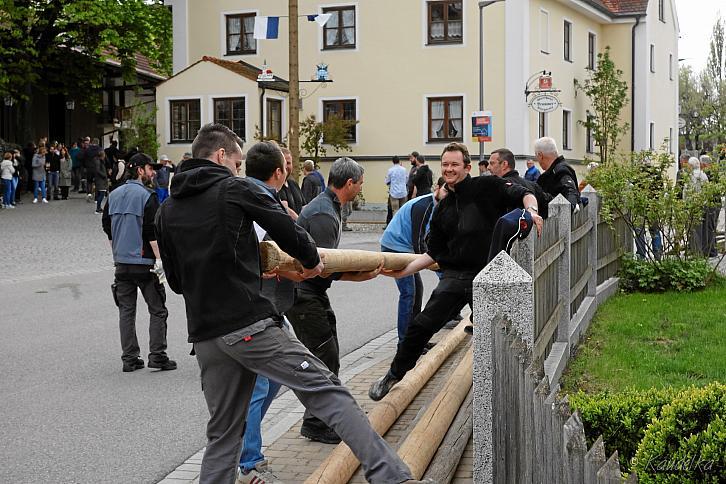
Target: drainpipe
632,86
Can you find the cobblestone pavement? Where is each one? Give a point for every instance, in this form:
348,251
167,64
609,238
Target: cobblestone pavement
293,458
58,238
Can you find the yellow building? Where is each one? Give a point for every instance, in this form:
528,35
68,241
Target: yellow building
409,72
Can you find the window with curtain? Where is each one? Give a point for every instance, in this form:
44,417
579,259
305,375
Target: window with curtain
185,120
446,119
240,30
274,119
445,22
567,41
339,30
544,31
591,51
231,113
343,109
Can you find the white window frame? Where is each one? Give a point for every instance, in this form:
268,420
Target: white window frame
594,49
425,27
321,31
670,141
210,107
167,122
544,19
652,58
283,121
572,47
357,113
670,66
546,124
425,116
651,136
223,35
569,129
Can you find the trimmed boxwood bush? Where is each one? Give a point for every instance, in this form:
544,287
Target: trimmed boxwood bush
621,418
687,442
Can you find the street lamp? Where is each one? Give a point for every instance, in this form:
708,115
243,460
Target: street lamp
482,5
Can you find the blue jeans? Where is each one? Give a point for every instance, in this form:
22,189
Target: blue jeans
262,396
8,192
410,295
657,243
39,185
100,194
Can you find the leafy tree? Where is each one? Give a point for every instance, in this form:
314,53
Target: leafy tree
639,190
608,94
715,82
333,133
141,130
57,46
695,108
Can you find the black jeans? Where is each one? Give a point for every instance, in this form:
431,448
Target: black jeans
127,279
452,293
315,326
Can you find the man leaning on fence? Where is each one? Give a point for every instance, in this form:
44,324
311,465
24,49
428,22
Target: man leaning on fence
211,257
459,239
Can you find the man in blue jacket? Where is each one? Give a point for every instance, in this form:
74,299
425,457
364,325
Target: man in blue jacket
128,220
406,233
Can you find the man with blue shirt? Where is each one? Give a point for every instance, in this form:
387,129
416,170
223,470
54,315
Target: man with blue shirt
396,181
406,233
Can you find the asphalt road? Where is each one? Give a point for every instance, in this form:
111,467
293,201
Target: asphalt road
69,415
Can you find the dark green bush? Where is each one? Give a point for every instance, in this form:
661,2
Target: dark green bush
665,275
621,418
687,442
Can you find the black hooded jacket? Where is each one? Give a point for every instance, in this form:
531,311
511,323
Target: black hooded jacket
210,251
463,222
543,198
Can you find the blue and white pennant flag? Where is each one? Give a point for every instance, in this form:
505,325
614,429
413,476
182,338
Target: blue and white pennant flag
320,19
266,27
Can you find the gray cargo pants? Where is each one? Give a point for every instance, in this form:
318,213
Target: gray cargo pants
228,366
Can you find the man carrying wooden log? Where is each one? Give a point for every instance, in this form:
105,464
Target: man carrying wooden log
211,256
311,315
459,239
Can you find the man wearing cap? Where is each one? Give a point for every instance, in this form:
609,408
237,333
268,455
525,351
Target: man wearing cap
128,220
459,238
163,175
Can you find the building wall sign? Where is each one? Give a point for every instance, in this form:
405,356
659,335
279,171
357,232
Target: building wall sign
544,103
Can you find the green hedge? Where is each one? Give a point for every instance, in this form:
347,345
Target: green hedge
666,435
665,275
621,418
687,443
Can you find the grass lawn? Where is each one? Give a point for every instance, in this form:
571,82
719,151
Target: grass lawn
653,340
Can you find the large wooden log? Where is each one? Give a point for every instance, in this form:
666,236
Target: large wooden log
341,464
335,260
446,460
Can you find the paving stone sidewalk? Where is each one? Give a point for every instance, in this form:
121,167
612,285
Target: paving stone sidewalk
293,458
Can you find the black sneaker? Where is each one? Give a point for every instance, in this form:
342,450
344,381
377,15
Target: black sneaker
326,435
164,365
133,365
380,388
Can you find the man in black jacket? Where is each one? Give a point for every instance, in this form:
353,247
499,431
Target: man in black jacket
211,256
459,239
502,164
558,177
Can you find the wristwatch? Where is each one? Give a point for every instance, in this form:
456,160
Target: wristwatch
532,207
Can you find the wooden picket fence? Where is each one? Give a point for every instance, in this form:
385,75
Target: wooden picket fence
537,436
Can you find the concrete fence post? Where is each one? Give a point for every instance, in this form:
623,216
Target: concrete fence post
501,290
561,208
592,208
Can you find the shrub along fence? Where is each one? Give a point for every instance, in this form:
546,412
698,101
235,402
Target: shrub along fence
530,311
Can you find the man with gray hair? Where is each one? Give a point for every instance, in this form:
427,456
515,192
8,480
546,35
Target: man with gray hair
558,177
311,315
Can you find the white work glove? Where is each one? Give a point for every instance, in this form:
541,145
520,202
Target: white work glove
159,271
